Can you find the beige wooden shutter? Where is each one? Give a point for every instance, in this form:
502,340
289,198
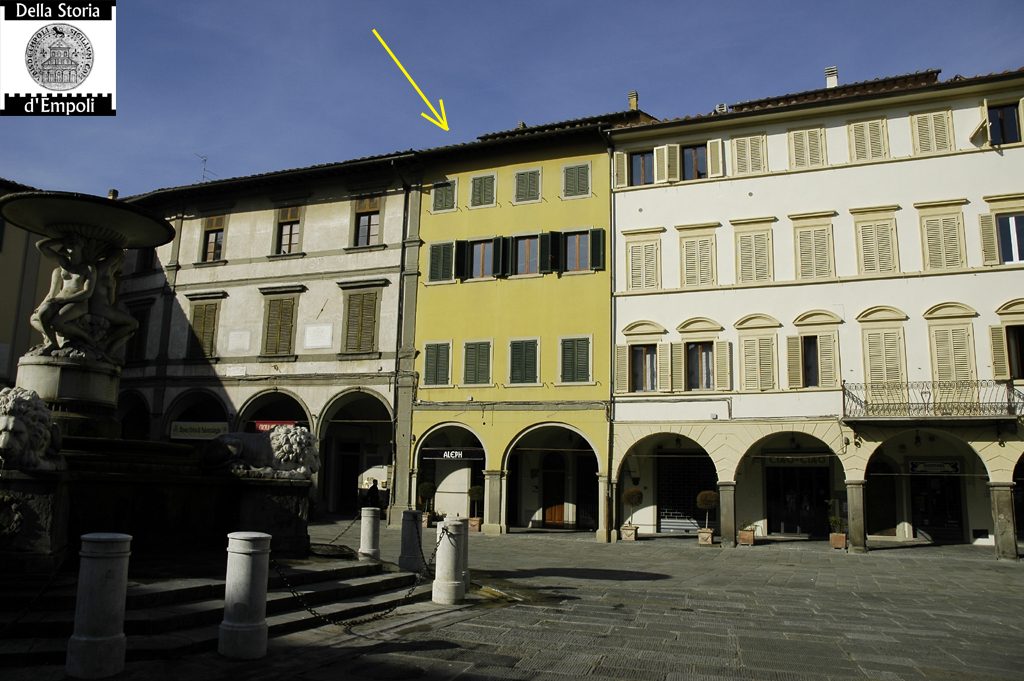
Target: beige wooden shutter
697,266
766,363
660,164
664,367
822,244
885,246
876,139
745,247
672,163
951,251
891,355
723,365
921,125
621,163
981,134
705,261
859,141
636,266
794,362
621,368
741,155
828,372
762,262
714,156
874,352
816,147
942,355
942,128
748,351
805,250
868,243
798,149
678,382
650,268
1000,358
989,238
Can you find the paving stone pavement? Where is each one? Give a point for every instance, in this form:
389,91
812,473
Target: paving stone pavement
665,609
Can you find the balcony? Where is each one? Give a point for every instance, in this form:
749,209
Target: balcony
932,401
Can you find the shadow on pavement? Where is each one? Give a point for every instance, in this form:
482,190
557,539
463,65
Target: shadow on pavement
576,573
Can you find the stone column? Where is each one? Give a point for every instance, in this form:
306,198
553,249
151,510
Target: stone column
464,554
1003,520
411,558
369,534
449,587
856,530
613,510
493,489
243,633
97,646
727,509
603,534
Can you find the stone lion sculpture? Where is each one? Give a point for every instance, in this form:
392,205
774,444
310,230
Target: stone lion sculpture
28,438
287,452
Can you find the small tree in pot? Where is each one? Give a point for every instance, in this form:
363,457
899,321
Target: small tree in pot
706,501
632,497
476,495
425,491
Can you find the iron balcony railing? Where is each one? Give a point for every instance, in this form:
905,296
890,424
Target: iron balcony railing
932,399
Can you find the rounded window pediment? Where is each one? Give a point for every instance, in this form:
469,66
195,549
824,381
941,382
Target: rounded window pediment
950,311
817,318
699,325
758,321
1013,307
643,328
882,313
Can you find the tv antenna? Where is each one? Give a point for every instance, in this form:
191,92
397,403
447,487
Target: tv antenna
207,174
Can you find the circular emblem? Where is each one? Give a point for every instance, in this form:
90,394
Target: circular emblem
59,57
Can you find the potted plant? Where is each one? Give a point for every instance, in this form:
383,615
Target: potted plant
837,538
633,497
706,500
425,491
746,535
476,495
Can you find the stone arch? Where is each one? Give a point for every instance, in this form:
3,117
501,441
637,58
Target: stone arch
450,478
134,415
537,426
197,404
280,402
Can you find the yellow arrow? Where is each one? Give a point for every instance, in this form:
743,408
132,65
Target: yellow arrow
440,120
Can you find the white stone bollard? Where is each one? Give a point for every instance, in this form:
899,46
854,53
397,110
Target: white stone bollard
97,646
411,558
369,534
243,633
449,587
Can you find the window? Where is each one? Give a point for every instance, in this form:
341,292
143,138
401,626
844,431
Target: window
481,259
952,357
811,361
1011,237
286,240
868,140
576,181
577,251
367,229
213,238
876,245
695,162
814,252
135,348
641,168
1007,352
943,241
444,196
643,368
753,256
807,148
575,360
482,191
932,132
526,255
758,362
279,329
1004,123
698,260
442,260
145,258
527,186
361,321
749,155
435,363
523,361
643,265
477,363
700,366
204,330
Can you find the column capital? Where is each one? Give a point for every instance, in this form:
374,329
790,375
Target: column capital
1008,485
493,474
854,483
729,484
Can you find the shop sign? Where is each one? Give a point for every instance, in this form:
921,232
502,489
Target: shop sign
197,430
453,453
267,426
935,467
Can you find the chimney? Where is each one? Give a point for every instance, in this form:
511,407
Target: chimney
831,76
112,194
634,100
721,108
521,125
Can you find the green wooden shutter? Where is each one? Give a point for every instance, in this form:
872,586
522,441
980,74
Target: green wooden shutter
582,180
523,356
597,249
435,364
575,360
621,163
204,329
794,362
582,359
528,185
280,326
989,238
723,365
1000,357
621,368
361,322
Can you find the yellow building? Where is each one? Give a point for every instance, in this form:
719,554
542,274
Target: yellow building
512,328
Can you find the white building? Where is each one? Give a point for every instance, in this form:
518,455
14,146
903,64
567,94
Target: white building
819,308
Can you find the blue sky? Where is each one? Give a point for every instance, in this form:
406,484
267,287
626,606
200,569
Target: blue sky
259,86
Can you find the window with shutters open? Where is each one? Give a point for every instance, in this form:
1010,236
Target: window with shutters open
443,196
868,140
436,358
204,330
932,132
753,256
877,251
442,262
953,368
214,228
527,186
1004,122
641,168
279,327
576,181
749,155
476,362
643,367
1003,238
698,260
643,264
1008,352
481,191
575,360
757,363
361,312
523,362
942,235
806,148
812,361
526,255
814,259
289,233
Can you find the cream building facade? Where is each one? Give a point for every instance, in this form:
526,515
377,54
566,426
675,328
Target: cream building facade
817,312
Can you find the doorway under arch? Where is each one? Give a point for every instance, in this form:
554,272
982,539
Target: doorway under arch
133,415
196,415
270,409
355,449
450,463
